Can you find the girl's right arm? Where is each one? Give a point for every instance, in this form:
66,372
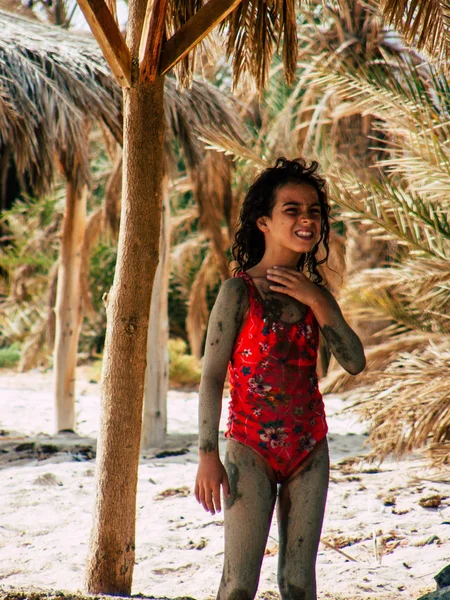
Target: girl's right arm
224,323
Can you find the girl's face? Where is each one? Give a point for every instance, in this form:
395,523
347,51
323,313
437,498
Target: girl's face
296,218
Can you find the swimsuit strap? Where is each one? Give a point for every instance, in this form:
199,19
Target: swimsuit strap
252,291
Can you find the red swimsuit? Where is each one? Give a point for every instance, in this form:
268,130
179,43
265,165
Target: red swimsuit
276,407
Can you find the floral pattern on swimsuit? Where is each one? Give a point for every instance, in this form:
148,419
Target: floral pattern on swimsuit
276,407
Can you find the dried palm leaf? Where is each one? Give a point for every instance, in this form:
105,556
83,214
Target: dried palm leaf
440,456
197,316
409,403
211,182
182,224
254,30
52,80
378,358
426,24
112,197
35,348
185,257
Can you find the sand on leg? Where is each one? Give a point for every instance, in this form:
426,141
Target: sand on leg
300,511
248,514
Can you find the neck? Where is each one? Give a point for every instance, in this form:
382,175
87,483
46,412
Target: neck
281,259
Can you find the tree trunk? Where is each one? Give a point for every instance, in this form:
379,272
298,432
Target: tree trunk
68,307
112,544
154,427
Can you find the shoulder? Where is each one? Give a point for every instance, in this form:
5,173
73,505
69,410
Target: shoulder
233,284
234,288
233,298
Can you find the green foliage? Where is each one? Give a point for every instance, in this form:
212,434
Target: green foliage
184,369
101,275
28,252
9,356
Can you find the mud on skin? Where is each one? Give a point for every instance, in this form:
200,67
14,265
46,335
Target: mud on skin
222,330
278,306
337,343
233,478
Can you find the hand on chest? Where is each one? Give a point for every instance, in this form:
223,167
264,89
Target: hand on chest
278,306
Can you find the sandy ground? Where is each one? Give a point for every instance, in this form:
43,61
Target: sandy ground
378,541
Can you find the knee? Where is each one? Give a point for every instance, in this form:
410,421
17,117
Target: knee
235,593
296,591
240,595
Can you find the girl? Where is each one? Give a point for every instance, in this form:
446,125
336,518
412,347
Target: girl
264,328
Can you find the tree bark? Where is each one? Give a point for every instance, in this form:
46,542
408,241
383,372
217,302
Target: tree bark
68,307
154,427
112,544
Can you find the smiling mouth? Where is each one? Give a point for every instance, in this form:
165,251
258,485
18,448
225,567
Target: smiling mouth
304,235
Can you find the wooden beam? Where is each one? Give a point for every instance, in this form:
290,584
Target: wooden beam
109,38
151,39
192,32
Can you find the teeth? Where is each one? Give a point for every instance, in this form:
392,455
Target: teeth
304,234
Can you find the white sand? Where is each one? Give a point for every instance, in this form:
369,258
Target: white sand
45,508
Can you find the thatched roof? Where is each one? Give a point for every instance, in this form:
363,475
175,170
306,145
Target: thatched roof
51,83
54,82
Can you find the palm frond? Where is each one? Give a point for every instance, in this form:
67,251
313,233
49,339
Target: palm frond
197,316
409,403
254,30
378,358
393,214
426,24
181,224
214,140
211,185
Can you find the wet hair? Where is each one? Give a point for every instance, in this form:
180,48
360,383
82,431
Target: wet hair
249,242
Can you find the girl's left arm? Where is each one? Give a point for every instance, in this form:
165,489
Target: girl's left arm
342,340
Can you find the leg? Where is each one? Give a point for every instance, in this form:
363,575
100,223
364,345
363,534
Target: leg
300,514
248,513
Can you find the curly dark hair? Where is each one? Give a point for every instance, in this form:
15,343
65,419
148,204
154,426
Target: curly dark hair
249,244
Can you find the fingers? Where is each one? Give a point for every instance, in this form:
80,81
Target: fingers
209,497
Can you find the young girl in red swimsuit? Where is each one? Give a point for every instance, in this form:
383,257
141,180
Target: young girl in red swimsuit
264,328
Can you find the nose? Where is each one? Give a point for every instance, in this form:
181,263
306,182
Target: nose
305,218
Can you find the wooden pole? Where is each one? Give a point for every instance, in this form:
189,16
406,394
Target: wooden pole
68,307
109,38
152,38
112,545
154,426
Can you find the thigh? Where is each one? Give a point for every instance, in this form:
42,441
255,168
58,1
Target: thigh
248,513
300,514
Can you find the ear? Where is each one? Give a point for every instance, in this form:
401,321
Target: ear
261,222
